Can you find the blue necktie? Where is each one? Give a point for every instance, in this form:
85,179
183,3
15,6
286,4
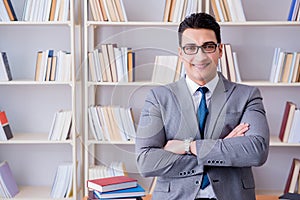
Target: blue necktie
201,115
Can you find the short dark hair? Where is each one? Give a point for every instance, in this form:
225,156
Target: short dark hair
197,21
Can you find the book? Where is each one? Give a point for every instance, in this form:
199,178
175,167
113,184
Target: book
111,183
286,122
5,126
127,192
290,196
291,182
5,68
7,181
10,10
294,136
62,184
164,69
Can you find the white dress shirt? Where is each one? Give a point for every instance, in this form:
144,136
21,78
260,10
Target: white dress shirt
208,192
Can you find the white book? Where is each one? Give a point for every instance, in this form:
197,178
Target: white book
47,9
238,7
236,67
164,69
119,121
3,12
274,64
96,60
279,67
294,136
96,122
57,8
218,4
119,64
92,68
91,124
66,125
3,72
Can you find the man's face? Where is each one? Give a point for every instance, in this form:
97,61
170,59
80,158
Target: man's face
200,67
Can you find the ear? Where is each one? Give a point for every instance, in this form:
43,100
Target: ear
220,50
180,51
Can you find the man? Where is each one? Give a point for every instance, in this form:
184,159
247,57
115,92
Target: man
235,134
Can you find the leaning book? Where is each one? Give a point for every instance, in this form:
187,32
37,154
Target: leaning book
8,185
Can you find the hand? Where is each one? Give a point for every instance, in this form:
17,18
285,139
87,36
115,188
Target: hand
238,131
175,146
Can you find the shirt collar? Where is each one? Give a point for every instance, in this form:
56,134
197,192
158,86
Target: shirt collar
211,85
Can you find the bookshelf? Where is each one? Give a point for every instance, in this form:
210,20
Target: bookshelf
31,105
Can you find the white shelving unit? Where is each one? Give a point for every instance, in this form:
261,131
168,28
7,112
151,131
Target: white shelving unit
30,106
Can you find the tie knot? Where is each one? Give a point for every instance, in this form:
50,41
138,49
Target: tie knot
203,90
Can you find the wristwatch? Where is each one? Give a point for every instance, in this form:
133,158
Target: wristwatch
187,146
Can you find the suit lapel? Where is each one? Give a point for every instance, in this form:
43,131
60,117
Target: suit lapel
190,124
218,100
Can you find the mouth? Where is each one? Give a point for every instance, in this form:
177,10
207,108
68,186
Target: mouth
200,65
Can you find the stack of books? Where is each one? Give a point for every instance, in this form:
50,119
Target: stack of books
115,187
62,184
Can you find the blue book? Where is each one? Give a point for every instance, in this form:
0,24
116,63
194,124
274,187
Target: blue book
292,10
129,192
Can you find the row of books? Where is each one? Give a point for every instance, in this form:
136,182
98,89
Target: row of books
228,10
290,124
115,187
62,184
8,185
47,10
111,123
5,130
7,12
5,71
229,64
285,67
112,64
61,126
293,180
115,168
108,10
177,10
167,69
294,13
53,65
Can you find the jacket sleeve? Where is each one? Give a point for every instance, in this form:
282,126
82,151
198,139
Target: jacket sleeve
152,159
245,151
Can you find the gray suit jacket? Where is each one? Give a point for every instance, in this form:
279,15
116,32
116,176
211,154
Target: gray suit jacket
169,114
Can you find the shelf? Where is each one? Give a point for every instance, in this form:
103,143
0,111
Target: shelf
35,192
29,23
275,142
30,82
31,138
110,142
159,23
149,83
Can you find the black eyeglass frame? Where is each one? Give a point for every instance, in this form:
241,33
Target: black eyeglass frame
202,47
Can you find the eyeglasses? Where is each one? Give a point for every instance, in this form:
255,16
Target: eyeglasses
205,48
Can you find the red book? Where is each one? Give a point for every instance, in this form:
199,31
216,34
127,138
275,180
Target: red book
5,126
291,182
287,119
111,183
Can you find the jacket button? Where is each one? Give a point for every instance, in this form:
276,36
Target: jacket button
180,174
197,182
